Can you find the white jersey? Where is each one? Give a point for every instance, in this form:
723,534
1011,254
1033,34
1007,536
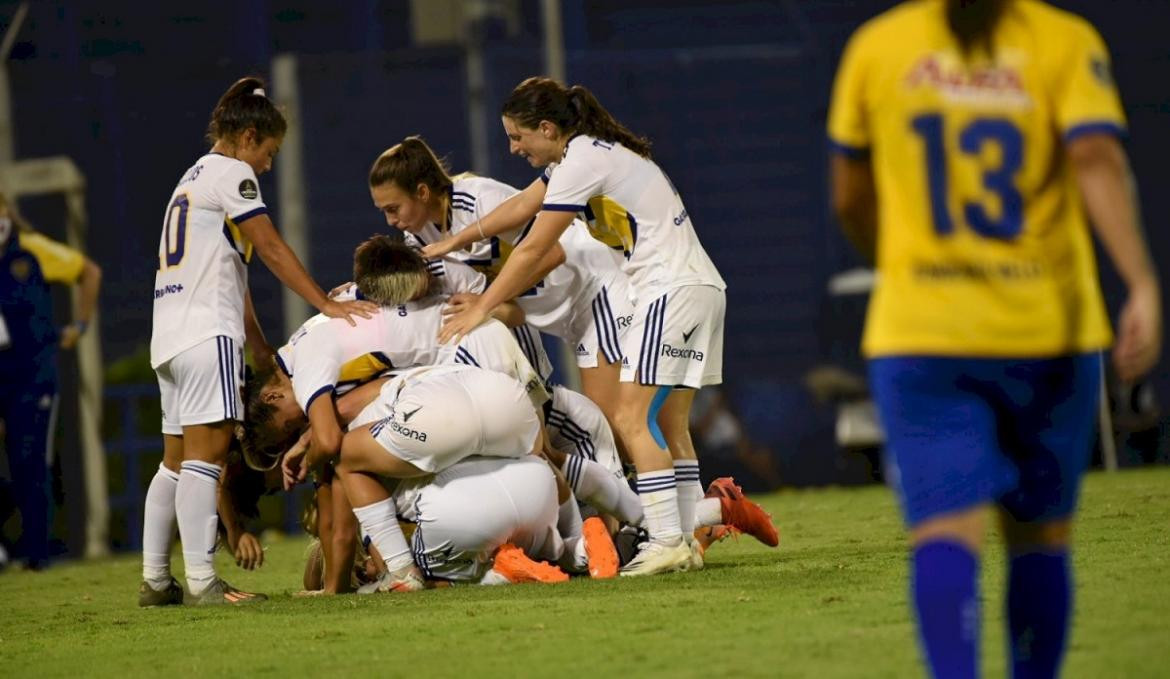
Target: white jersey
550,305
202,260
327,353
632,207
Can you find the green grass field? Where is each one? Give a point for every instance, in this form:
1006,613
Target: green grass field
829,602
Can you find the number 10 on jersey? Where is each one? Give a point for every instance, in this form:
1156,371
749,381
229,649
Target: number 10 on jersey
174,233
997,180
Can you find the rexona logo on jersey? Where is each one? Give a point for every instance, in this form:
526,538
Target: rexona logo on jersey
624,321
249,190
676,352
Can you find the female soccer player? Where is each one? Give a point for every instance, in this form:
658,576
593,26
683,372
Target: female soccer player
598,168
577,292
969,133
202,316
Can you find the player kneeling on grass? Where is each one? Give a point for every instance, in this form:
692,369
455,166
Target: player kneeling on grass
433,419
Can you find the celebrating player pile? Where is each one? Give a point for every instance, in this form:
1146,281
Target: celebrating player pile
421,392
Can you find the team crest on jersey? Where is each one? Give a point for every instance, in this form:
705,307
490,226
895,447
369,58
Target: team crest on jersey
1100,69
20,270
249,190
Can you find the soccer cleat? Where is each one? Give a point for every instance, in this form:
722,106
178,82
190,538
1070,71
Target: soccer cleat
741,513
514,565
404,580
220,592
655,557
171,595
599,548
709,535
697,562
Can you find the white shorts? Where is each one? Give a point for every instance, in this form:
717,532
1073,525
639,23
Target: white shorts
437,418
493,347
577,427
201,385
677,339
601,328
472,508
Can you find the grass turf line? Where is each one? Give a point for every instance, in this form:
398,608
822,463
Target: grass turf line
829,602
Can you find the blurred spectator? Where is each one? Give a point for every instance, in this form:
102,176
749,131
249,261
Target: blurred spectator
29,261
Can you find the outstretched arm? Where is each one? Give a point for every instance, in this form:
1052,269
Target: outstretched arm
508,215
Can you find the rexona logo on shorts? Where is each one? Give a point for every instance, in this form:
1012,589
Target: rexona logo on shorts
675,352
248,189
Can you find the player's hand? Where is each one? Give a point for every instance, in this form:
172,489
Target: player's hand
70,334
348,310
443,247
249,553
459,302
457,325
293,468
1139,332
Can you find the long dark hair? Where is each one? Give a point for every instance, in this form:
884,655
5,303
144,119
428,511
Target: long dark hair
409,163
574,109
245,105
971,22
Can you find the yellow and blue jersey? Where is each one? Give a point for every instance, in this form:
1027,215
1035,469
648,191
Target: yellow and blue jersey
28,262
983,247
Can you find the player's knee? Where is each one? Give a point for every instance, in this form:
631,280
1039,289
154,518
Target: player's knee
1023,536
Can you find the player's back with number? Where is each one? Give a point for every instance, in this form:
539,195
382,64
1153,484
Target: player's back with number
978,213
202,259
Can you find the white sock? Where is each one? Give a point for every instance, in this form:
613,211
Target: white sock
708,512
686,475
195,496
569,519
593,484
380,522
158,528
494,578
659,497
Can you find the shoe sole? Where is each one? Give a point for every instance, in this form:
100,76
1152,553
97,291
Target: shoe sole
682,562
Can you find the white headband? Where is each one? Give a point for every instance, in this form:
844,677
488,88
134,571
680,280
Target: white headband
259,92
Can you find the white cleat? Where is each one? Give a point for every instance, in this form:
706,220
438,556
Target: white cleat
655,557
405,580
697,562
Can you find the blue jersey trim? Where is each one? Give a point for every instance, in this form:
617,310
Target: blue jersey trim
848,150
561,207
283,368
1099,127
262,210
327,389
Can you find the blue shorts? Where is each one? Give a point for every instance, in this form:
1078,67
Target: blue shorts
961,432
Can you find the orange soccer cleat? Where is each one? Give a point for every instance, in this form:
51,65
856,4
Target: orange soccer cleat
709,535
741,513
603,556
514,565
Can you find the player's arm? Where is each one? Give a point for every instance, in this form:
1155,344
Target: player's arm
1107,185
514,278
287,267
244,546
254,335
511,214
855,201
356,400
89,284
325,440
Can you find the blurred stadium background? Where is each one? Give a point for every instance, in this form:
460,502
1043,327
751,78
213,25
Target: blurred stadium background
733,95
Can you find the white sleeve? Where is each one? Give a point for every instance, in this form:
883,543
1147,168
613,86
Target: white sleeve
577,179
238,193
316,364
458,277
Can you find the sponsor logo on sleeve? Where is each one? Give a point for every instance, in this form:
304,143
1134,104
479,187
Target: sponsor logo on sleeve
249,190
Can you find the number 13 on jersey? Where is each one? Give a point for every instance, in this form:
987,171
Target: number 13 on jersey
998,181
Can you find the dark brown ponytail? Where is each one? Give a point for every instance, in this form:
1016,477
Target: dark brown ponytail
972,21
408,164
245,105
574,109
